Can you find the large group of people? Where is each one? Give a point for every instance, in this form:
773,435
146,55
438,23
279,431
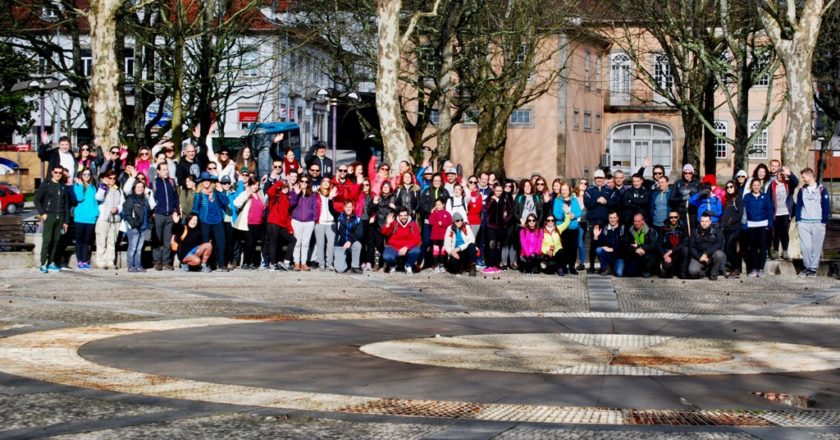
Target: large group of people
209,211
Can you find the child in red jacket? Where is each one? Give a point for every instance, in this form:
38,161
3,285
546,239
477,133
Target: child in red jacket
440,219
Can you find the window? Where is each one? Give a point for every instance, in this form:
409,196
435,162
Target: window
87,62
128,57
434,116
576,119
629,145
721,147
597,122
598,72
587,121
761,64
521,117
250,64
520,57
759,146
470,117
620,79
587,61
662,72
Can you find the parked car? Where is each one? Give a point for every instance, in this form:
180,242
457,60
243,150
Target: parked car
11,199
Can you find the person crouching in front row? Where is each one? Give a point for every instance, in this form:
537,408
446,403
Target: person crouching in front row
459,245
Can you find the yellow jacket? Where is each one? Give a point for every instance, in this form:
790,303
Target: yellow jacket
553,238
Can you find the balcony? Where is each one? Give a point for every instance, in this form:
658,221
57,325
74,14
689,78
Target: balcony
638,98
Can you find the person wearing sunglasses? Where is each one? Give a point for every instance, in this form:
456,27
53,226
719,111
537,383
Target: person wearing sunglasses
552,243
730,222
673,246
143,162
318,156
86,160
459,246
52,201
530,242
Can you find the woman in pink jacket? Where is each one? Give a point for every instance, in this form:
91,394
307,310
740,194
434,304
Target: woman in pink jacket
530,239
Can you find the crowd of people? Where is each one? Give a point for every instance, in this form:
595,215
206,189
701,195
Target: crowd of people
211,211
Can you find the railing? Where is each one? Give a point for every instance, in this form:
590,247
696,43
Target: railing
637,97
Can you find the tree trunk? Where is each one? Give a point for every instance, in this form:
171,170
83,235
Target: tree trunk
178,78
490,143
444,126
693,138
394,137
709,149
104,82
742,129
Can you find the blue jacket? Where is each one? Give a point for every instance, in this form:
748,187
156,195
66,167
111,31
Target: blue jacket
759,208
825,204
234,212
596,213
654,197
87,208
210,213
560,215
709,204
165,196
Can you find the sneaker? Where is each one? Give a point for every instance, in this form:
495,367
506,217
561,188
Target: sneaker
605,272
330,268
206,269
409,270
753,274
488,270
774,255
131,270
356,270
282,265
168,267
139,269
713,277
811,274
223,269
760,273
785,256
734,274
53,268
573,271
580,267
591,269
43,268
80,266
804,273
158,267
185,267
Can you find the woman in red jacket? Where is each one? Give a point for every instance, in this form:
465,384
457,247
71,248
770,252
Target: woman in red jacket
279,225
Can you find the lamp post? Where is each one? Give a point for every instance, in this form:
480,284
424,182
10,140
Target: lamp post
332,101
49,85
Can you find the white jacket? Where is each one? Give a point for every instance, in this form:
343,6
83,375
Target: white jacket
449,239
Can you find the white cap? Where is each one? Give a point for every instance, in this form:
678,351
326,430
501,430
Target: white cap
741,173
599,173
688,168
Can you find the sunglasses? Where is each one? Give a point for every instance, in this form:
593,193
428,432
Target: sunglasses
145,153
314,170
211,169
657,173
223,153
115,152
342,171
459,221
687,172
384,169
473,182
730,186
276,166
530,220
549,220
85,149
674,218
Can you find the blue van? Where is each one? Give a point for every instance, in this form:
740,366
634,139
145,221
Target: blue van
261,140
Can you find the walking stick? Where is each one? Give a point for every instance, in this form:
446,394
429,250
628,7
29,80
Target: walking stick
687,218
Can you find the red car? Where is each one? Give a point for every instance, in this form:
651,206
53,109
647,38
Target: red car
11,199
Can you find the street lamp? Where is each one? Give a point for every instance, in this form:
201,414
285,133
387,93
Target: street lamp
331,97
50,84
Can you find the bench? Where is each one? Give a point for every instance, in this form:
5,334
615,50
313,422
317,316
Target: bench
12,237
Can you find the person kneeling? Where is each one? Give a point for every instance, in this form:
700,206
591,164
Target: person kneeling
640,249
552,247
186,241
348,239
706,249
608,246
530,240
459,244
403,237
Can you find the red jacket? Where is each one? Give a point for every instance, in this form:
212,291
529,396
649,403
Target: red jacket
348,190
278,207
400,236
474,208
439,220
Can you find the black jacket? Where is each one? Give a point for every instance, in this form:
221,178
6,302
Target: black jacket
706,242
136,211
189,242
409,198
596,213
50,154
347,229
673,239
635,201
732,213
519,206
427,200
326,163
650,244
54,198
380,210
682,191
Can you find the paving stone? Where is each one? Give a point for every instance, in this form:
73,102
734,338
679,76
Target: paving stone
33,410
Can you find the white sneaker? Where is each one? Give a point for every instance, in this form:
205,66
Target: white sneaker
409,270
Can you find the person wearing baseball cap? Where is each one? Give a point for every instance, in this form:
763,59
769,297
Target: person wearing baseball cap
210,203
685,187
599,200
452,178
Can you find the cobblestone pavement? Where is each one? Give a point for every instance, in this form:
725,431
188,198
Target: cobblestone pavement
33,302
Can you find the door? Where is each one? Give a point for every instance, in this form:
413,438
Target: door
641,150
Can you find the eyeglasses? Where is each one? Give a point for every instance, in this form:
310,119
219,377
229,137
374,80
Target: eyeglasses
473,182
276,166
730,186
673,217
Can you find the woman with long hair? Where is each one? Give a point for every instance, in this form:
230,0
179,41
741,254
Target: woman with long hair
187,241
383,204
583,225
530,239
279,226
325,219
84,217
365,212
245,158
138,215
356,172
552,244
250,202
459,201
304,214
542,189
408,194
290,162
510,239
566,205
143,162
87,161
759,212
730,223
499,213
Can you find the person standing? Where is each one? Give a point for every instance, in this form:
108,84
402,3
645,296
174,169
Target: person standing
730,222
759,210
211,203
110,199
781,191
302,201
564,206
52,201
58,157
319,157
84,217
813,207
167,203
599,200
684,188
138,214
279,227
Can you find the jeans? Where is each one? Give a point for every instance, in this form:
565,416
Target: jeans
580,239
607,260
355,252
51,238
218,232
731,248
253,236
390,256
324,239
466,260
303,235
84,240
162,252
135,248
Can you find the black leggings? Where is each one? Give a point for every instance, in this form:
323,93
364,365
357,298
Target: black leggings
84,241
733,258
253,235
379,243
493,246
277,235
781,232
569,240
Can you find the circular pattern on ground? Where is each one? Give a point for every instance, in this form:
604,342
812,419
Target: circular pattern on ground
54,356
607,354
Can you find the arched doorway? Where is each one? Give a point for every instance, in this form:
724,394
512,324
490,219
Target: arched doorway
630,143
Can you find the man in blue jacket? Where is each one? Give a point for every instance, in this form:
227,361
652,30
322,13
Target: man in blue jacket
812,208
167,204
348,239
599,200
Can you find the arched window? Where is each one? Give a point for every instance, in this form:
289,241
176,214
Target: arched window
620,79
631,143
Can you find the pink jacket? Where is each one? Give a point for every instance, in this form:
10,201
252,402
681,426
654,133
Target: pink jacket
531,242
